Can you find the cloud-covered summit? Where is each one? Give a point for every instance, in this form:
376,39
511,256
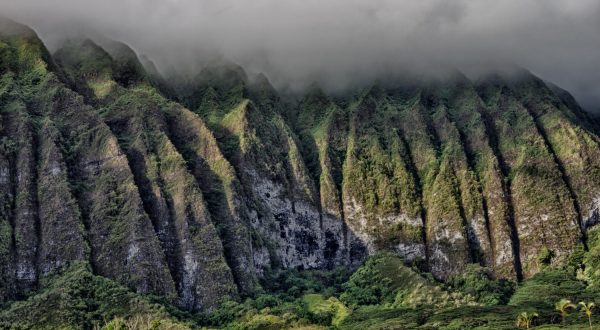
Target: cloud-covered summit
340,43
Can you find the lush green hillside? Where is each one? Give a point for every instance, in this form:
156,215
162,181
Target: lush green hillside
125,195
382,294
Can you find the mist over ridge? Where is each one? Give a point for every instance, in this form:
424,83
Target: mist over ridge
366,173
341,43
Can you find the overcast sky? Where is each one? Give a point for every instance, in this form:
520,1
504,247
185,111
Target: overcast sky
341,42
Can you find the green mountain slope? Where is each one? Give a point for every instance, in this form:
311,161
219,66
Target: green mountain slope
81,160
197,191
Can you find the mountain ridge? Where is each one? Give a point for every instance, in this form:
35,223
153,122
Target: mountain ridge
194,192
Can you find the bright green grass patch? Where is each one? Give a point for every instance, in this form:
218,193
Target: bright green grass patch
328,311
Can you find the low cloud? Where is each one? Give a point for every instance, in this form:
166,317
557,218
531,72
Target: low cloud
343,42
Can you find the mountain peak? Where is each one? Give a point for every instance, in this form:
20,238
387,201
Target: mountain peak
9,28
87,60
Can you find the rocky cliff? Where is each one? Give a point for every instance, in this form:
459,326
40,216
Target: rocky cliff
193,190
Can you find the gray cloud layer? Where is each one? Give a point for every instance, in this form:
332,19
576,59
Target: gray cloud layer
341,42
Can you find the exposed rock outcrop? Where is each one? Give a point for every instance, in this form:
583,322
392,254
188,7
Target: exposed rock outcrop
195,197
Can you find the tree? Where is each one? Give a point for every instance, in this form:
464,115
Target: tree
563,307
587,308
524,319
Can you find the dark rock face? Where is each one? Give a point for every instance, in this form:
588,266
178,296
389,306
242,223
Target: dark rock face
195,205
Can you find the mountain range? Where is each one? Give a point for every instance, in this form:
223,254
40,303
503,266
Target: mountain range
193,190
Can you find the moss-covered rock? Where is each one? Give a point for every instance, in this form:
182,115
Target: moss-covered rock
99,166
51,124
171,197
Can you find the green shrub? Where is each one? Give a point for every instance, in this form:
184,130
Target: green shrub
293,283
545,256
367,286
477,281
79,299
325,311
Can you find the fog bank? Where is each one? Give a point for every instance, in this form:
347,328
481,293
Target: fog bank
341,42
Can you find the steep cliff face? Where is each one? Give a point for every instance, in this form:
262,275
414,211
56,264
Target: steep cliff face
445,172
281,199
196,200
140,119
57,145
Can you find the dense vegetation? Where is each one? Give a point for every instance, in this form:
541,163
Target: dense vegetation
131,201
381,294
